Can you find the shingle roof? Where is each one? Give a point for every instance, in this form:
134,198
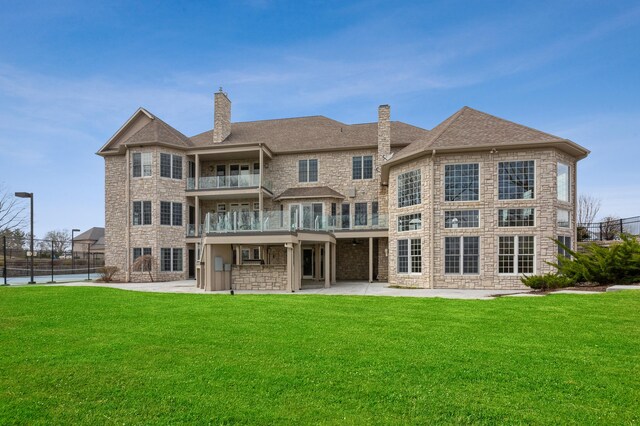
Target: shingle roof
159,131
310,192
469,128
92,234
308,133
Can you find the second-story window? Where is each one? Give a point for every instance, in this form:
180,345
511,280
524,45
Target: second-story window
171,166
516,180
141,213
170,213
142,164
461,182
360,214
409,191
564,182
362,167
308,170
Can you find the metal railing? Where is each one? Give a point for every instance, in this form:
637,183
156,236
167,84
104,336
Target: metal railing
226,182
609,229
252,221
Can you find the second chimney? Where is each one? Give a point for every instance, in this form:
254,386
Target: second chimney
221,116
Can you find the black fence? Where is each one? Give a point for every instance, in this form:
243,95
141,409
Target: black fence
609,230
50,261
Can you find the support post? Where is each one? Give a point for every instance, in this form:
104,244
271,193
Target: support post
316,260
333,262
52,257
260,195
298,280
4,258
196,184
197,214
370,259
327,269
290,267
88,261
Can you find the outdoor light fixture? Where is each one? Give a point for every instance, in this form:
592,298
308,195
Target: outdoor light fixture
454,222
30,196
73,259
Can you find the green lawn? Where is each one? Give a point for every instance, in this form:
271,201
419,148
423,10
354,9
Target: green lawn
97,355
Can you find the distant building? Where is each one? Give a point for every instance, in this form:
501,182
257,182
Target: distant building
89,242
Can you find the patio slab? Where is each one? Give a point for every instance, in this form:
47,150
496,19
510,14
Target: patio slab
623,287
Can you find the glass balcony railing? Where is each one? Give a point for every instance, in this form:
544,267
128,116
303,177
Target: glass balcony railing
225,182
191,230
241,221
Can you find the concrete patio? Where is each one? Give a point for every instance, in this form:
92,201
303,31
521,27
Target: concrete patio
348,288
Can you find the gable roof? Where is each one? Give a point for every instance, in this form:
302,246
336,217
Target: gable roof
310,133
470,129
144,128
91,234
310,192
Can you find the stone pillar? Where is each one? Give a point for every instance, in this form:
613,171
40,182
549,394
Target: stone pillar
327,269
370,259
316,269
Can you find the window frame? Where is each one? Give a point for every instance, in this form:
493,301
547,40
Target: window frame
568,226
172,213
409,217
360,218
535,179
568,183
307,171
361,168
173,259
462,253
477,183
445,219
142,156
533,212
410,256
516,255
414,200
146,211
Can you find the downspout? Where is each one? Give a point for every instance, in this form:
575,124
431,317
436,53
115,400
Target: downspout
433,216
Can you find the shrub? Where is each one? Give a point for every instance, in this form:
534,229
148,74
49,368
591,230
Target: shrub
617,264
107,273
547,282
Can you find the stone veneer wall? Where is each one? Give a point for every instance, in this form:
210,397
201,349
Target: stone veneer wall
352,262
545,204
383,260
116,214
259,277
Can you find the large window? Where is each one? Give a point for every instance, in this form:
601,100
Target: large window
409,190
410,256
462,255
563,182
516,180
360,217
461,182
362,167
566,241
171,166
563,218
516,255
461,219
409,222
142,164
345,216
374,213
516,217
141,251
170,213
171,259
308,171
141,213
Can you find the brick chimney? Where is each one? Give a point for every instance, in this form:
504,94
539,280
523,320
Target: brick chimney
384,133
221,116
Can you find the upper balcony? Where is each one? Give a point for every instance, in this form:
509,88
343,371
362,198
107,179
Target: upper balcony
227,182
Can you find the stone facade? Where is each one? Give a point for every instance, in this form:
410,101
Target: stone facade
259,277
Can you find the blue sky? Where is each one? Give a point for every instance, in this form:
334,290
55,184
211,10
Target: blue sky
71,72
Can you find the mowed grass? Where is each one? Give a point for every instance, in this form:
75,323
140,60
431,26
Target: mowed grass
105,356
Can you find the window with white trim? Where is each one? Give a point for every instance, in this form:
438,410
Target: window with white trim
171,259
362,167
141,251
462,255
516,254
170,166
409,188
563,220
141,164
410,256
170,213
462,182
308,170
516,217
564,182
461,218
566,241
141,213
516,180
409,222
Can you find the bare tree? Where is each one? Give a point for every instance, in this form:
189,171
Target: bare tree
610,228
588,208
61,239
144,263
11,211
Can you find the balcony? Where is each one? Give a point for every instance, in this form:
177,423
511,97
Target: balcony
228,182
249,221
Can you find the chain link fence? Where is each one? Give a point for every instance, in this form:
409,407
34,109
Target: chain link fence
50,261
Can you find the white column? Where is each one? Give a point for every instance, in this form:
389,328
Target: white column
197,218
197,182
327,269
370,259
333,262
290,267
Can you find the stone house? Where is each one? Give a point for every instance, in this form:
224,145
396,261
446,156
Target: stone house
475,202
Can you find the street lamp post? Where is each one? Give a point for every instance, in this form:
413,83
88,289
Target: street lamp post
30,196
73,258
